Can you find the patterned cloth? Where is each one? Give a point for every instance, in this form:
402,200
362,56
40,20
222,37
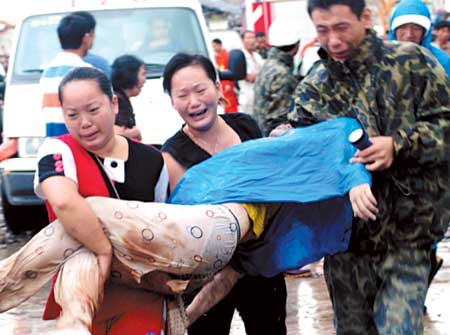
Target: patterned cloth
187,241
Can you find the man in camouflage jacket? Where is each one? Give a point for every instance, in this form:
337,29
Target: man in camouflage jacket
401,96
275,84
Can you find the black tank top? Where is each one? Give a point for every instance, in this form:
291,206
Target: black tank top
187,153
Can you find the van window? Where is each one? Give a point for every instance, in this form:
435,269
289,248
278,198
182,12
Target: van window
152,34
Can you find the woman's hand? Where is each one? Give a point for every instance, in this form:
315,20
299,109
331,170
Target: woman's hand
363,202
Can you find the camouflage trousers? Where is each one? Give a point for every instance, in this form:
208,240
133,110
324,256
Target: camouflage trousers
381,294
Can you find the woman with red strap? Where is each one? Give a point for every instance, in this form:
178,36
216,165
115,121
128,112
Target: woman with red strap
81,164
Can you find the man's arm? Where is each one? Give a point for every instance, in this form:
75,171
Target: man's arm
303,110
309,106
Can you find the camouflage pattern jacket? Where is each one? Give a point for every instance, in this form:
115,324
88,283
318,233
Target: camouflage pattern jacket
396,90
274,88
263,52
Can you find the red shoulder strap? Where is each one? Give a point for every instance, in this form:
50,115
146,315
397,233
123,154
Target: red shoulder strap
90,179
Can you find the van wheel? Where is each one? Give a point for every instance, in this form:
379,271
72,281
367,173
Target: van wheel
22,218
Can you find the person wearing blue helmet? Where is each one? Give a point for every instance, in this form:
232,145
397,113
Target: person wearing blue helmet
411,22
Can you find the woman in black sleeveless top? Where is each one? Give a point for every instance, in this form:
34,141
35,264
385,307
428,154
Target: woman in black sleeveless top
128,77
195,92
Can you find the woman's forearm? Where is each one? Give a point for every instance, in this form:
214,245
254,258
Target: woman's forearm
75,214
82,224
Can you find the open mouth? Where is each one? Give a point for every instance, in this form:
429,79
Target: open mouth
203,111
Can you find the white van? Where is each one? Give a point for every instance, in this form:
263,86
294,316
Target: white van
123,27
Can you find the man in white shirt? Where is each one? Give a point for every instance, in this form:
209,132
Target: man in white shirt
254,63
76,38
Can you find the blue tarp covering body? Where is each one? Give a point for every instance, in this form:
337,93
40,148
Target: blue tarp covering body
308,170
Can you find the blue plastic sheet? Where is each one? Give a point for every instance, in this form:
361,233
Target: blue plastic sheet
308,170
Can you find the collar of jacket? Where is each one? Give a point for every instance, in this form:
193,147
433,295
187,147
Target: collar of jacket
359,62
281,56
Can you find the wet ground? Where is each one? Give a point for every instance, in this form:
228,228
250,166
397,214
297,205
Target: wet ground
308,308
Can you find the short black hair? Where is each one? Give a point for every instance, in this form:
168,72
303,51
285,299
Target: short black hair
260,34
217,40
182,60
246,32
442,24
71,30
86,73
89,18
356,6
124,72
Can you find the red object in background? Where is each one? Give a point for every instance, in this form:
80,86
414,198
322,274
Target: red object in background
262,16
229,94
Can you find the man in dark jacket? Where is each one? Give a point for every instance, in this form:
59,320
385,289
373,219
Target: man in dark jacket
401,96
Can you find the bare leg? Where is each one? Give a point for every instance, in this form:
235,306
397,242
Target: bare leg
77,291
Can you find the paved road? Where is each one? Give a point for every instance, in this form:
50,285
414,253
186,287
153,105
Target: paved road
308,309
